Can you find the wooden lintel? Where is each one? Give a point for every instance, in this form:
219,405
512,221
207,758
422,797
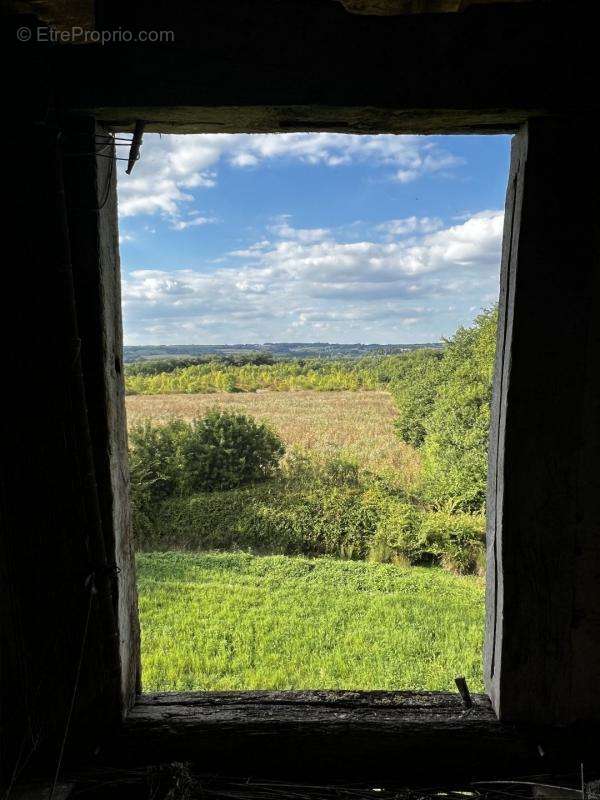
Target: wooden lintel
284,65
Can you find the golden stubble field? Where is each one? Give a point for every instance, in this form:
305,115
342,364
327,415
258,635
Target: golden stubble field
359,425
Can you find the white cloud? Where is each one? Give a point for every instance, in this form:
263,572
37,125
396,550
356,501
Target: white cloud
182,224
306,287
170,166
283,230
244,160
400,227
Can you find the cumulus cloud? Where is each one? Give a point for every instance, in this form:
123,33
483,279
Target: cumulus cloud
400,227
182,224
171,166
283,229
309,286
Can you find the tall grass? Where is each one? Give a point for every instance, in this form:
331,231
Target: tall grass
355,425
218,621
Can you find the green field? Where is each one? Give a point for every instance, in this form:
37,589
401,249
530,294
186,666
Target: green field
218,621
341,546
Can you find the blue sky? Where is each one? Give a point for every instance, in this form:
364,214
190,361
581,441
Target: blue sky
310,237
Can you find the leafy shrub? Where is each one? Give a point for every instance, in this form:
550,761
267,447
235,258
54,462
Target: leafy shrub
458,540
317,507
415,392
395,538
250,518
155,460
224,450
267,519
455,448
443,400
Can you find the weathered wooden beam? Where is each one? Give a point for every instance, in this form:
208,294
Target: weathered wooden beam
543,582
59,650
348,735
288,65
393,7
91,190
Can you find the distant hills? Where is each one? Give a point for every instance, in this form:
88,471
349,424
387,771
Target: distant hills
278,350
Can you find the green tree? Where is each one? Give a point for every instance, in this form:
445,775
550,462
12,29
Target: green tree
456,429
415,392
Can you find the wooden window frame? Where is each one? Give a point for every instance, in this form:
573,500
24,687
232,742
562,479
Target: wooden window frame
523,663
295,67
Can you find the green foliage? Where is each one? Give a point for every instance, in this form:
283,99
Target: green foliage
455,446
232,621
443,401
217,483
319,508
253,373
154,366
222,450
396,536
313,507
415,392
155,460
457,540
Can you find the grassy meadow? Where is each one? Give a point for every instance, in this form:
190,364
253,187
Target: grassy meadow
354,425
218,621
232,620
312,523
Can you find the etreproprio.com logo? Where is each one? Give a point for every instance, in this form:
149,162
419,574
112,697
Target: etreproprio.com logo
79,35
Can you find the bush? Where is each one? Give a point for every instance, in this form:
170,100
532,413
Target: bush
317,507
458,540
456,443
312,508
414,393
224,450
443,400
395,538
221,450
253,518
155,460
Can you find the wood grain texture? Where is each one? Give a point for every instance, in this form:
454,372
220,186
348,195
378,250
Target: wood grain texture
286,65
322,734
59,646
92,198
543,603
393,7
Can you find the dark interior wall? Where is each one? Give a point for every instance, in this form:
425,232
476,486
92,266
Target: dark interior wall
60,651
310,65
65,558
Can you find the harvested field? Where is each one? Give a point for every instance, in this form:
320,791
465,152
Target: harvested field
358,425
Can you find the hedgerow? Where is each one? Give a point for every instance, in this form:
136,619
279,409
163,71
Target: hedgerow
316,507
